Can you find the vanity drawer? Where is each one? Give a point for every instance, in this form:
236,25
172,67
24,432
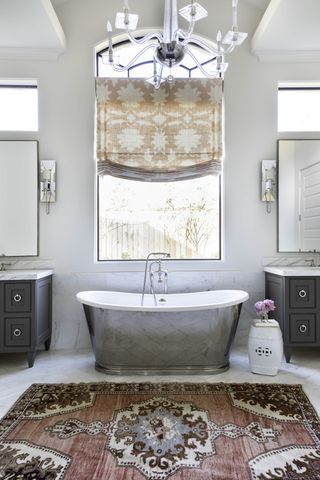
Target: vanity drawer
302,328
17,332
17,297
302,293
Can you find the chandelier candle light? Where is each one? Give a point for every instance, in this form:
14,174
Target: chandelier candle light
171,45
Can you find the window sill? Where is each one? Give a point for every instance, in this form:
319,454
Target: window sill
173,265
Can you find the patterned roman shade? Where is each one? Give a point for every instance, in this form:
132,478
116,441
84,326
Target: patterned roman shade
166,134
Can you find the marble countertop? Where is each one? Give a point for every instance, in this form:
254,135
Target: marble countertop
294,271
24,274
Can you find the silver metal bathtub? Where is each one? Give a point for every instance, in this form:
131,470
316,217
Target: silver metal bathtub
184,334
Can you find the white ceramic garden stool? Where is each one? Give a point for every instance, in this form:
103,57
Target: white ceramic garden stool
265,347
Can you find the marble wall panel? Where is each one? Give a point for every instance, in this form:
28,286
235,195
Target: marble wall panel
69,325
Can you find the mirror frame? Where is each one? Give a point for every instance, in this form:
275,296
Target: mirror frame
279,190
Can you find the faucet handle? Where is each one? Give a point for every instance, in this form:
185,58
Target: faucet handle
311,261
3,266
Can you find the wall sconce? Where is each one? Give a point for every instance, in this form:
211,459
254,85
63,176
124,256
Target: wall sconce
47,183
268,182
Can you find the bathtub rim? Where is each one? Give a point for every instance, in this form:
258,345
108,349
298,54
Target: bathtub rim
240,297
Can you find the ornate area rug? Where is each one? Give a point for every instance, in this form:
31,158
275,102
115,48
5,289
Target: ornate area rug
112,431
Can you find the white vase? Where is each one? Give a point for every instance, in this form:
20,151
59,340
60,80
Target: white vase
265,347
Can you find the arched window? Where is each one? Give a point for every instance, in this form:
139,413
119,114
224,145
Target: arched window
139,217
143,68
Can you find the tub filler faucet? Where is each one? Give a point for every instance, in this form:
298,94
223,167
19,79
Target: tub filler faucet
155,270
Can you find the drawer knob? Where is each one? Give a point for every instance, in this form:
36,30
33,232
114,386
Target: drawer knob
302,293
303,328
17,332
17,298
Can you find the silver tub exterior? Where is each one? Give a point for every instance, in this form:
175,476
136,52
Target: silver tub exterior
149,343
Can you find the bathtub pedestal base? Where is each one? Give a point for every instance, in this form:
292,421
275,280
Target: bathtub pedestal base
174,370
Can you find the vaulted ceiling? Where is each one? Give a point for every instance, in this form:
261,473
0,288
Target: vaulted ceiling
288,30
30,29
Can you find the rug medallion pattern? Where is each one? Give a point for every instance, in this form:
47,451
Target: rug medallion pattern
106,431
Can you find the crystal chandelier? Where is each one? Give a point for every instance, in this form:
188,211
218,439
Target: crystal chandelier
171,45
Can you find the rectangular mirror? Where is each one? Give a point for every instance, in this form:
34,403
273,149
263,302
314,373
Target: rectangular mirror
299,195
19,198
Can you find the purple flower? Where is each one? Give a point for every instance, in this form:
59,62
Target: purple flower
263,307
269,305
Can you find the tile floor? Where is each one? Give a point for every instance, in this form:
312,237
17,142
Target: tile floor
66,366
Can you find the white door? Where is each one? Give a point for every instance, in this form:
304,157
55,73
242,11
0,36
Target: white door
309,214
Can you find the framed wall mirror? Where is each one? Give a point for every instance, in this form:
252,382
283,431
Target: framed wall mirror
19,198
299,195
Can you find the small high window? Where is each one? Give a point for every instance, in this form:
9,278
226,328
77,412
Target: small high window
18,106
298,108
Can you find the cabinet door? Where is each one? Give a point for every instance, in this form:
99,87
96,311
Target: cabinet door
17,332
302,293
302,328
17,297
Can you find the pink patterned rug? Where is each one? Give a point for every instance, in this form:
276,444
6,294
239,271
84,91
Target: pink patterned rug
138,431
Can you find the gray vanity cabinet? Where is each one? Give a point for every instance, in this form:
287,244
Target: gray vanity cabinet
297,301
25,316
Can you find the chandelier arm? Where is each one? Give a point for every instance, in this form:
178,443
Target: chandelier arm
208,75
203,45
118,68
230,49
185,34
146,38
182,33
159,75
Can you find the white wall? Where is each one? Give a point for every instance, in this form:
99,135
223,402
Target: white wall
66,96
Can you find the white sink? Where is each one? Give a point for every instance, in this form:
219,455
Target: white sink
24,274
294,271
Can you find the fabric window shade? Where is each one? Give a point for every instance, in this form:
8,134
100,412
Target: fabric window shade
166,134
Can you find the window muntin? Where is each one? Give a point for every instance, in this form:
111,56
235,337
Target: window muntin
18,107
136,218
298,109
